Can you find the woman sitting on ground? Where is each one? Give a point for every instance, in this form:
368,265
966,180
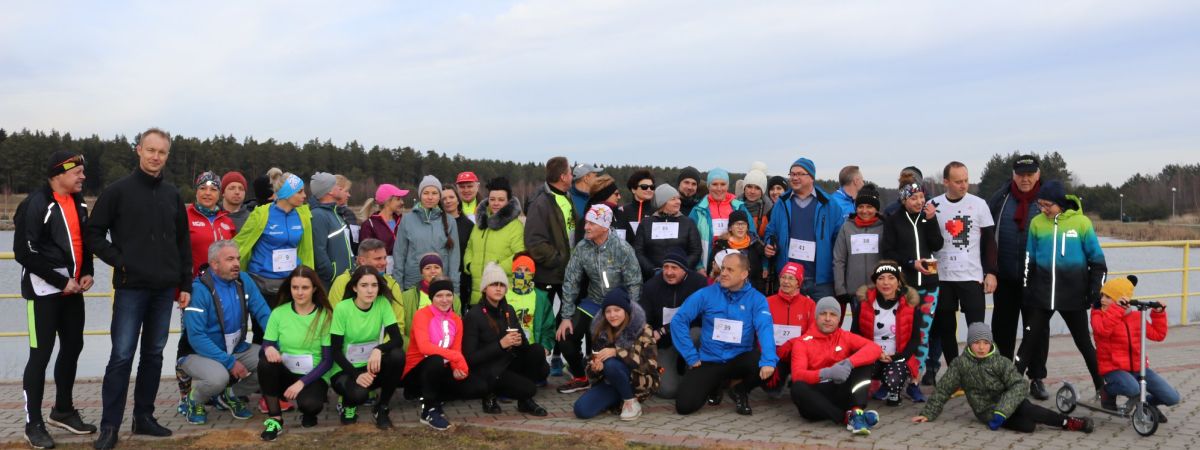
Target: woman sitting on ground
297,351
365,361
624,369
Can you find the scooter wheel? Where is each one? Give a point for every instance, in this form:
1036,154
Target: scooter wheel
1145,419
1066,399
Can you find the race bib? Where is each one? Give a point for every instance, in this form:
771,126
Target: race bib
41,287
783,333
720,226
634,226
802,250
620,233
725,330
283,260
668,314
232,340
298,364
864,244
359,353
952,260
354,229
664,230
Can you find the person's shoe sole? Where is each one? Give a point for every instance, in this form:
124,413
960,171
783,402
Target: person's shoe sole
573,390
30,442
51,421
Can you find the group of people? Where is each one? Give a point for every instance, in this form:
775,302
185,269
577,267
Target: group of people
687,296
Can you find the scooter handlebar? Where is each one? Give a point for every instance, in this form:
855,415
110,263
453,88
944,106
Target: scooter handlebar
1145,305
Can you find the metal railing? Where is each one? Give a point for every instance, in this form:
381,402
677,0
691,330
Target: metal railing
1182,295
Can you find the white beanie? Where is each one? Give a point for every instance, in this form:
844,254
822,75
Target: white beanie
492,274
757,176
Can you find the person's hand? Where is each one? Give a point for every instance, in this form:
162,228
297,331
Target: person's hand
766,372
273,355
596,364
657,335
185,299
1159,307
512,339
769,250
365,379
374,361
239,370
86,282
919,264
930,211
564,329
293,390
884,357
459,375
72,287
920,419
606,353
997,420
989,283
766,275
696,364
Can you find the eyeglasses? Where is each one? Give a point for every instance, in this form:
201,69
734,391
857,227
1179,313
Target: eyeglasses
798,174
645,187
1045,206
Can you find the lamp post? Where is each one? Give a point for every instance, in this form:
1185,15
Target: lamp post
1122,207
1172,202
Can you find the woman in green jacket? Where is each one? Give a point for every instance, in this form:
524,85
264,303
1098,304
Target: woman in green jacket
498,234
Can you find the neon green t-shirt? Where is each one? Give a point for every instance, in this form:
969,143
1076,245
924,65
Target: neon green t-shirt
361,330
565,205
301,351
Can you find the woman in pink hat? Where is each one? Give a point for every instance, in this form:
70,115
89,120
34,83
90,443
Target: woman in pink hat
382,225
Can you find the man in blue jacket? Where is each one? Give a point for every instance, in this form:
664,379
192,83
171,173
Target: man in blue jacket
216,322
1012,207
803,226
732,315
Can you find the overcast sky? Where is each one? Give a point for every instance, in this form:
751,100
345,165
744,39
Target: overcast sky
1113,85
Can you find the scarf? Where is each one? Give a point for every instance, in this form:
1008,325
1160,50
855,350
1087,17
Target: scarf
423,286
441,327
865,223
1023,199
209,213
737,244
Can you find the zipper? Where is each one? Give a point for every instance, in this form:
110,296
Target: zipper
70,241
1001,216
1054,263
917,240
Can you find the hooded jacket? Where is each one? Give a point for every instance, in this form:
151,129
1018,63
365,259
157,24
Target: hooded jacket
420,347
650,252
852,271
908,237
253,229
495,238
816,350
1117,332
332,243
205,231
1010,240
376,227
546,237
484,325
658,295
702,216
150,247
42,241
1064,265
908,323
827,222
421,231
635,347
745,307
991,384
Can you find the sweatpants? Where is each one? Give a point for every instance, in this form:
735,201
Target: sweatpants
274,379
210,377
391,365
1028,415
829,400
517,381
1007,305
432,382
953,296
673,367
572,345
50,316
1035,344
700,381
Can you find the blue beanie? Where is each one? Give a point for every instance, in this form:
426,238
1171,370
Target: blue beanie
808,166
717,174
616,297
1054,191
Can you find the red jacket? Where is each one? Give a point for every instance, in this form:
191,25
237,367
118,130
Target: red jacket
908,337
816,350
1117,332
797,310
419,346
204,233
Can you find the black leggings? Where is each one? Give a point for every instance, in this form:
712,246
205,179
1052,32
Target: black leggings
391,366
1035,345
274,379
572,346
50,316
1006,311
1028,415
519,380
432,382
698,382
830,401
952,296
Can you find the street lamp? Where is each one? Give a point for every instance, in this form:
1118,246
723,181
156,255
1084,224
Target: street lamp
1122,207
1172,202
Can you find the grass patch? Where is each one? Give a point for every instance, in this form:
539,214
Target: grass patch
1147,231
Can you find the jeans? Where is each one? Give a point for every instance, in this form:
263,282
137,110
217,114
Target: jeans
816,291
138,315
611,391
1158,391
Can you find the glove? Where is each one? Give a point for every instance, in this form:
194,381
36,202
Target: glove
837,373
773,382
997,420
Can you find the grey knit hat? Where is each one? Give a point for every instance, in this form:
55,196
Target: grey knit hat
979,331
492,274
664,193
428,181
321,183
829,304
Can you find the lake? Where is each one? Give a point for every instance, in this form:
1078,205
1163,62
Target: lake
96,348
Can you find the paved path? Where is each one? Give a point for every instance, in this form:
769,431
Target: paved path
775,423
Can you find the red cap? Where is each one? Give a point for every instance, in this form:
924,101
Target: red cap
794,270
466,177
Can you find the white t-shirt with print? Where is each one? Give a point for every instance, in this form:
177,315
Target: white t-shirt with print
885,328
960,223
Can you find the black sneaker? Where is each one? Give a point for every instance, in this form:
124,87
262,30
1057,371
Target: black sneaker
575,385
528,406
1037,389
741,401
107,439
714,397
1108,401
490,406
70,421
929,379
37,436
307,421
382,421
433,416
149,426
272,428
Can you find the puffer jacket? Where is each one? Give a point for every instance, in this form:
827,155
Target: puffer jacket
422,231
636,348
827,222
1064,266
484,326
852,271
495,238
746,306
1117,332
794,310
702,216
816,350
1010,240
991,383
908,237
908,320
605,267
42,241
650,252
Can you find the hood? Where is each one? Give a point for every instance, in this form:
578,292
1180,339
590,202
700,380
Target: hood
494,222
628,336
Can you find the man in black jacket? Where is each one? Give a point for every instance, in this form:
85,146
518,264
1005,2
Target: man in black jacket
55,271
1012,207
151,258
661,296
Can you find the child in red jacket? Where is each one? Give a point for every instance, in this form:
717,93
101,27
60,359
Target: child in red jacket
1117,331
831,372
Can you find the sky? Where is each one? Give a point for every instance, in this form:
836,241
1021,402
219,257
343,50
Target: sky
1112,85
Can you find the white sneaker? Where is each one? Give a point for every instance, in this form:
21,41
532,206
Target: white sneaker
631,411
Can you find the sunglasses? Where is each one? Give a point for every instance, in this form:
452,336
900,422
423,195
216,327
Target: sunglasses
645,187
71,163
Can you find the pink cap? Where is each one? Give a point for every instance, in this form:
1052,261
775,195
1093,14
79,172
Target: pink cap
466,177
387,191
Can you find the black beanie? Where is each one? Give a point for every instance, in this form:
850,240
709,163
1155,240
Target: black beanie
1054,191
688,172
439,285
62,161
738,216
777,181
262,189
868,195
